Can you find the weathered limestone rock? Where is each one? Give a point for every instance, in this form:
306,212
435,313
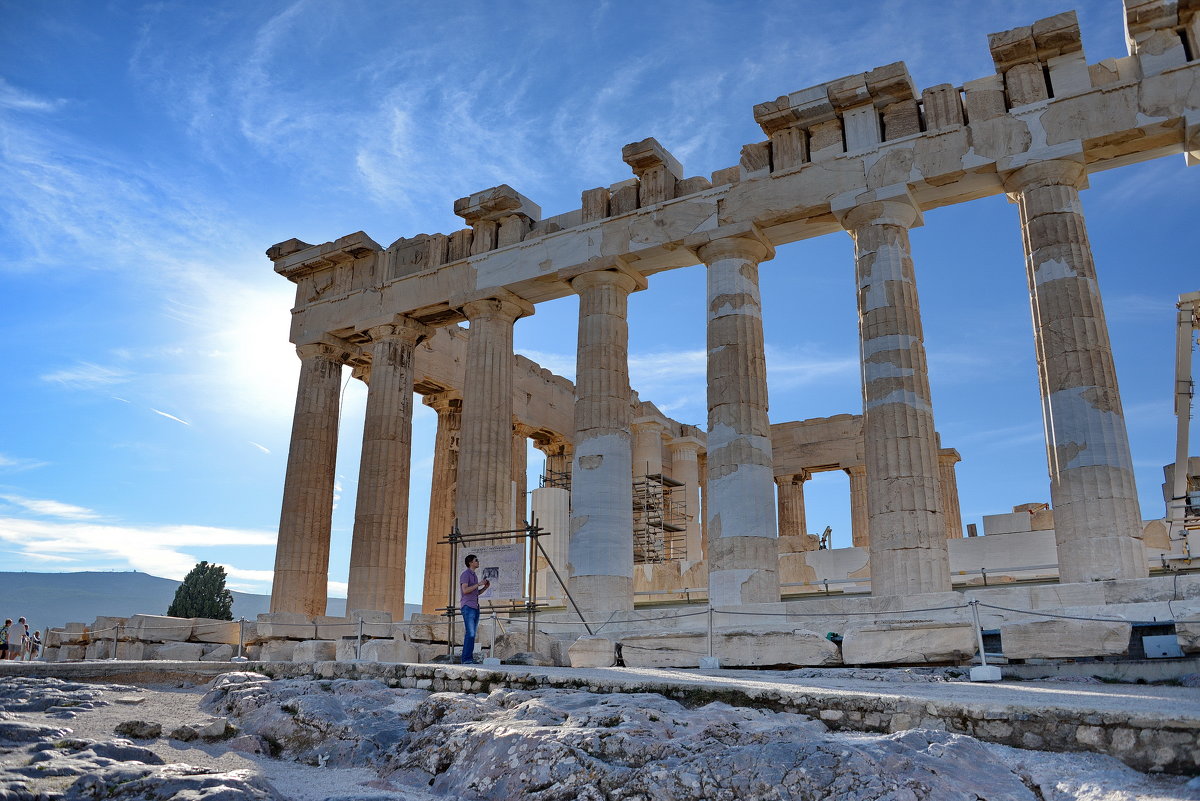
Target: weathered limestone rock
334,628
1048,639
592,652
908,643
285,626
667,650
180,651
346,650
377,552
516,642
315,651
220,631
1188,633
71,653
302,552
222,653
435,652
734,648
99,649
136,651
277,650
600,550
160,628
102,627
73,634
389,651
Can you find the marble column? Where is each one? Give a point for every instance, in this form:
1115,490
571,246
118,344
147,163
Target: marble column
520,474
380,540
948,487
743,553
647,448
302,553
484,500
907,539
442,490
860,526
600,552
1097,519
790,490
685,469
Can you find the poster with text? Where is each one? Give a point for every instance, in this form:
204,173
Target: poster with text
504,566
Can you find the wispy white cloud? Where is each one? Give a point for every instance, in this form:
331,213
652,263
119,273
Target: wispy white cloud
86,375
171,417
158,550
14,464
262,448
17,99
51,508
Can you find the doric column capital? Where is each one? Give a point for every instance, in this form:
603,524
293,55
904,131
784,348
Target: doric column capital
735,247
326,350
556,445
404,329
445,401
605,270
1055,172
856,470
685,447
948,456
794,478
648,424
892,205
492,304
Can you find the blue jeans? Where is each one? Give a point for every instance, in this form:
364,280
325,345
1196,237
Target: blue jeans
470,625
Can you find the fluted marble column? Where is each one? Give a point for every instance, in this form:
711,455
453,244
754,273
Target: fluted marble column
743,552
520,474
860,526
907,539
438,569
948,487
601,545
380,540
647,448
484,500
1097,519
686,469
302,553
792,523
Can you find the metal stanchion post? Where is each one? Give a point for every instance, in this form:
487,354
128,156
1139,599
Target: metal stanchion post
241,642
491,657
116,631
710,662
984,672
358,645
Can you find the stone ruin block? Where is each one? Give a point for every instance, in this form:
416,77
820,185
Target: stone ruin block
334,628
52,639
135,650
494,204
375,623
99,649
623,197
102,627
160,628
346,650
1187,631
595,204
666,650
220,631
50,654
222,653
516,642
394,651
180,651
284,626
691,185
592,652
71,653
984,99
315,651
1050,639
752,648
277,650
943,107
908,642
728,175
429,652
73,634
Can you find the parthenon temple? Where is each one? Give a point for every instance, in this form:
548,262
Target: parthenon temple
641,507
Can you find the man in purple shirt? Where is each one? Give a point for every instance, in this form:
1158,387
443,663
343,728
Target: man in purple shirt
471,586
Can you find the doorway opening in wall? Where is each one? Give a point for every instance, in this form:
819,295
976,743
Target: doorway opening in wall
827,505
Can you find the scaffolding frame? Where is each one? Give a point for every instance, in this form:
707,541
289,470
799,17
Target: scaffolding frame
659,520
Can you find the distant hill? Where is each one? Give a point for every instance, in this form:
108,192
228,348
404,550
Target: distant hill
48,600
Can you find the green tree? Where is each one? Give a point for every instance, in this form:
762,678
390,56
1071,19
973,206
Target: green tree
203,594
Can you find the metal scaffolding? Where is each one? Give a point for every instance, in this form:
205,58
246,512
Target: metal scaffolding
659,520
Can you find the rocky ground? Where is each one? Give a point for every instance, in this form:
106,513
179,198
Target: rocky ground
246,737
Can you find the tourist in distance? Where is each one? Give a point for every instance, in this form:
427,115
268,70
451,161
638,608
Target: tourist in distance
471,586
23,630
4,632
35,646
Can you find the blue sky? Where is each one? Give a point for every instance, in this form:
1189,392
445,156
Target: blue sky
150,153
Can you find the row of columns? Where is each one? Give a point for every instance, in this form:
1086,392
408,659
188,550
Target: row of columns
896,490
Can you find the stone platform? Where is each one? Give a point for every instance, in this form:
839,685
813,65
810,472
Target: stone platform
1150,728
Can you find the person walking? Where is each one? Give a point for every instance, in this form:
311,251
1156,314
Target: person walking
23,630
471,586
